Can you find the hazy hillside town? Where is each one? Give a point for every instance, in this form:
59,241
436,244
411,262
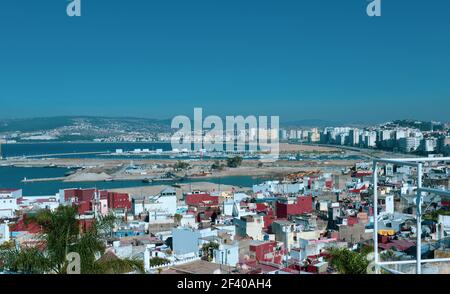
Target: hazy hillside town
406,136
399,136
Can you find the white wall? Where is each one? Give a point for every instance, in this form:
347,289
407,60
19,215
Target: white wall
8,206
162,204
390,204
188,220
4,233
254,229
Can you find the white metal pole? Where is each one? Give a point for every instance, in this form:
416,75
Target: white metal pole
375,215
419,219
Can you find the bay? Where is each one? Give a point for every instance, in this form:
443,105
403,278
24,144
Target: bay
11,178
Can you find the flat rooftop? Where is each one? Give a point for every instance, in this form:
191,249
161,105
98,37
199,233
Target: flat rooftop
201,267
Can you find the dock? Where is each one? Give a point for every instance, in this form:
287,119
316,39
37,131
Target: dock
57,154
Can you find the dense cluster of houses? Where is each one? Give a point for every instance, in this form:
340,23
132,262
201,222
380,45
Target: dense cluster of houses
280,226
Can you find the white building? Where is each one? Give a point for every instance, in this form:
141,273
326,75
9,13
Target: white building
353,137
188,220
41,202
8,202
160,206
409,144
227,254
399,134
369,138
385,135
428,145
443,226
275,187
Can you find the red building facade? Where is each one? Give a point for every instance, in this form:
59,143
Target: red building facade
285,208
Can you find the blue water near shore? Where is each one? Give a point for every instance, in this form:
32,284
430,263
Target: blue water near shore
11,177
33,149
106,151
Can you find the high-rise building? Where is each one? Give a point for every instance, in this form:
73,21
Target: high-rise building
409,144
354,137
428,145
369,138
283,135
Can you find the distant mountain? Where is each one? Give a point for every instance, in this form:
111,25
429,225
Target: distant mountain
34,124
51,123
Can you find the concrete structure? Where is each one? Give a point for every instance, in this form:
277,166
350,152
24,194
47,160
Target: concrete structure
389,204
409,144
189,241
94,200
416,163
41,202
250,226
8,202
227,254
443,227
310,247
161,206
285,231
293,206
188,220
277,187
4,233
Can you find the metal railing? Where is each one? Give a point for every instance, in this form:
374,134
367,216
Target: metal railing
418,164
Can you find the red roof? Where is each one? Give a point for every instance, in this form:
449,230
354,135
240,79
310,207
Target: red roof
261,207
193,199
401,245
30,227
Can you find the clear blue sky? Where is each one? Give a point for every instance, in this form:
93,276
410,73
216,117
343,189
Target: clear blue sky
300,59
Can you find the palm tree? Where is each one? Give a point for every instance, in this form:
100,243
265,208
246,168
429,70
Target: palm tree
61,235
106,225
27,260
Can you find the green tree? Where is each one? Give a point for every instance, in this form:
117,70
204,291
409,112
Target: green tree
181,165
106,225
217,166
346,261
234,161
62,235
27,260
156,261
208,249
